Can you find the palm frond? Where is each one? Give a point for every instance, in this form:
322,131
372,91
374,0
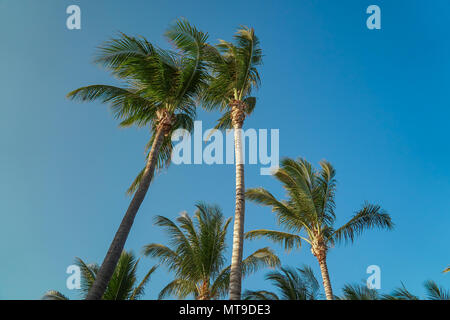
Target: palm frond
115,52
370,216
259,295
54,295
436,292
288,240
125,103
261,258
400,293
139,290
358,292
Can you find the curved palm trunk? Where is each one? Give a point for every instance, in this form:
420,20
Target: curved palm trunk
238,234
325,277
112,257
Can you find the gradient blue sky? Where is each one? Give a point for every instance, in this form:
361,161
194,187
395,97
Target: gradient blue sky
374,103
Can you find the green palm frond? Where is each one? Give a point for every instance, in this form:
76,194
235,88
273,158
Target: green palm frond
139,290
287,215
180,288
288,240
435,292
261,258
121,285
259,295
370,216
115,52
88,274
125,103
400,293
358,292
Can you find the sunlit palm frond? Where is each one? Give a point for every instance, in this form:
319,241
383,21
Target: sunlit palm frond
115,52
287,215
88,274
180,288
121,285
288,240
369,217
54,295
261,258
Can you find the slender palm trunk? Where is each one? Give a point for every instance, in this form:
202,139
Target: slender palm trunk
238,235
325,277
112,257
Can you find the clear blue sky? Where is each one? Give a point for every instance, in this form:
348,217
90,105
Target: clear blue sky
374,103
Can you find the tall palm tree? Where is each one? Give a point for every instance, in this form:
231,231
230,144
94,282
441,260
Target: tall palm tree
160,88
123,284
308,213
293,284
197,254
234,75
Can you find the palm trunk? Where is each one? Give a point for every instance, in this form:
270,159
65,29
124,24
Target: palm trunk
112,257
325,277
238,234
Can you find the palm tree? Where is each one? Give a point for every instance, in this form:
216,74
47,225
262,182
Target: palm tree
293,284
123,284
160,91
310,209
197,254
234,75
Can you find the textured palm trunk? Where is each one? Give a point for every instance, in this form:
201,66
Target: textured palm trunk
325,277
238,234
112,257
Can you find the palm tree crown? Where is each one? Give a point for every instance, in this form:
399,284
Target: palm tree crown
309,212
160,88
234,75
196,256
123,284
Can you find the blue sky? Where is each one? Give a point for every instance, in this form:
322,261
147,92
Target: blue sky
373,103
